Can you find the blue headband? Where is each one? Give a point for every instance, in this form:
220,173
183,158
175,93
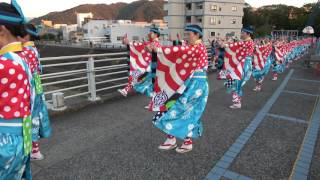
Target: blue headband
247,30
13,18
155,30
31,32
195,30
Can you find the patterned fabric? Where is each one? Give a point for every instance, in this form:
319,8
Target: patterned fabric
259,75
183,119
17,95
236,85
234,59
14,88
27,138
236,99
12,158
144,85
139,62
261,54
174,66
40,117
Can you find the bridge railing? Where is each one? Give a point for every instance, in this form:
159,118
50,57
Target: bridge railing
84,77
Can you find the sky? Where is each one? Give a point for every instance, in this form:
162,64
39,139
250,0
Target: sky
36,8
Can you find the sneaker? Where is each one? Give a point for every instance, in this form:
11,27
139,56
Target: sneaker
257,89
37,156
169,144
123,92
185,147
236,106
274,78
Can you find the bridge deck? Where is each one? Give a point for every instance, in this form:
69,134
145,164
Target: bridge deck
116,139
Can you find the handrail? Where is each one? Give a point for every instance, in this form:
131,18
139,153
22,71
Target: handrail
81,56
89,74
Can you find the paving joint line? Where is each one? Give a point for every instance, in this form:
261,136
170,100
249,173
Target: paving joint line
235,149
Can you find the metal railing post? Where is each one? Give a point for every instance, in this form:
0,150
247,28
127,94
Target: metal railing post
92,80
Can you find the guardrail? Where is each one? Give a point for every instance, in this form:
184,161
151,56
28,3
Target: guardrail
85,77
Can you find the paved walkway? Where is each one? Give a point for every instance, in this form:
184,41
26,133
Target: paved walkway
274,136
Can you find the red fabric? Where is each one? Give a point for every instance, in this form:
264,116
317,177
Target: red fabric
35,147
279,53
174,66
234,58
31,59
140,61
261,54
14,90
140,58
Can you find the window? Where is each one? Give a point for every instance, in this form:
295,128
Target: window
219,22
213,34
119,38
189,6
213,21
199,5
233,21
199,19
188,19
135,38
214,7
220,8
234,8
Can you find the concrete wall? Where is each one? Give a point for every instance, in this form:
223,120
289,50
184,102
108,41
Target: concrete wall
118,31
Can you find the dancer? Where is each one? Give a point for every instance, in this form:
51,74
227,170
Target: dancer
237,67
261,63
140,64
40,118
278,64
16,96
181,91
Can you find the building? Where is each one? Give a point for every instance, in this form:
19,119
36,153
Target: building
66,31
107,31
46,23
95,30
218,18
59,26
81,17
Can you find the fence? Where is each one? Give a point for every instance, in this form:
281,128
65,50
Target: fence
84,77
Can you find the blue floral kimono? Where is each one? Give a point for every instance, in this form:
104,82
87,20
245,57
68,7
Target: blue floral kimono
179,108
236,85
183,119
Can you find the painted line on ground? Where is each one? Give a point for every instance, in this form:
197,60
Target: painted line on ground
306,80
302,164
235,176
287,118
301,93
225,162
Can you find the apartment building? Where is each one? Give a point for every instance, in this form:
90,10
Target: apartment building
218,18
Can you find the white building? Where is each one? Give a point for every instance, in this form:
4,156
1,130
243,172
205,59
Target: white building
218,18
82,16
112,32
67,29
95,28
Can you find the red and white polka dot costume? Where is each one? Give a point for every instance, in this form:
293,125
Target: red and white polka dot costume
14,87
174,66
